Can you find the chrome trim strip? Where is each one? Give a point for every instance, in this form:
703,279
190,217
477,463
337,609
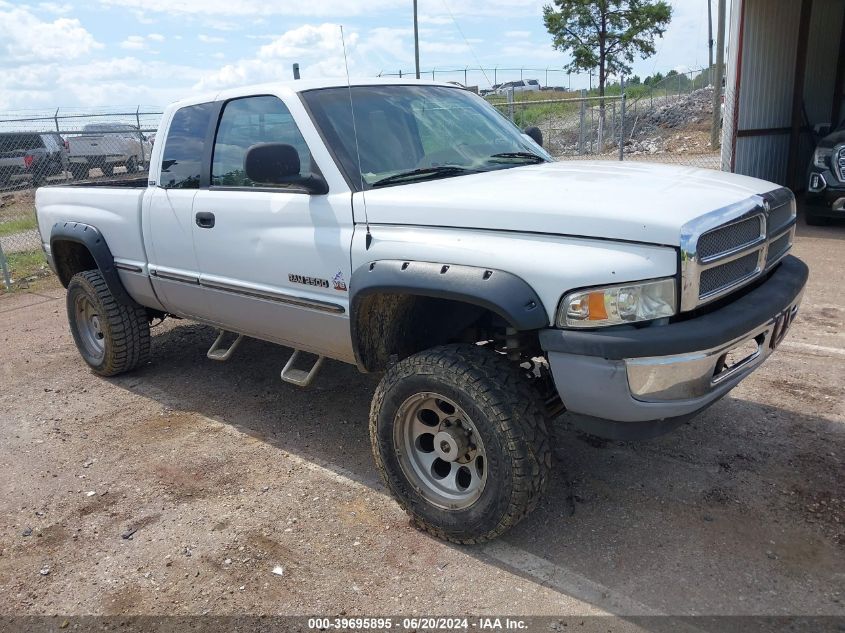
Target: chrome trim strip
279,297
128,267
173,276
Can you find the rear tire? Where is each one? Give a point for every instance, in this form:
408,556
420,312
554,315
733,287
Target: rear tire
108,169
460,438
79,171
131,165
112,337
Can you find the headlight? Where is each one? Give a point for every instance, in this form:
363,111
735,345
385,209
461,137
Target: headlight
614,305
822,156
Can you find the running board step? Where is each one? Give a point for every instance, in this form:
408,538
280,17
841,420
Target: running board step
215,352
300,377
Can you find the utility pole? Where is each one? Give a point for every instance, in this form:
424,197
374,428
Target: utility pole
710,39
416,41
716,127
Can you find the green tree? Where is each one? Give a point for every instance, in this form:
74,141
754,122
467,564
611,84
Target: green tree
606,34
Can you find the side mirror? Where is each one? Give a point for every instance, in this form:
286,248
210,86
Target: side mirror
535,134
278,164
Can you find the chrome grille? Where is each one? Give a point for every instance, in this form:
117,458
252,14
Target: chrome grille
729,238
730,247
728,275
778,219
779,247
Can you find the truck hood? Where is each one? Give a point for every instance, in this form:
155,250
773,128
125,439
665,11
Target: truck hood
632,201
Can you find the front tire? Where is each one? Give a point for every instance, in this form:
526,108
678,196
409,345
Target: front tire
112,337
460,438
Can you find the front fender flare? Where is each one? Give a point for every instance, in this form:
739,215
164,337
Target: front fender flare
91,238
501,292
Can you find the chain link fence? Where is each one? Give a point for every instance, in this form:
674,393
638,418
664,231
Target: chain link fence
669,121
39,148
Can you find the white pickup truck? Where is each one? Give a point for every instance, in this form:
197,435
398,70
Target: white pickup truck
409,229
106,146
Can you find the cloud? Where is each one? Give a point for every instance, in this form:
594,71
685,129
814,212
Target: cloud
27,38
134,42
317,48
210,39
94,84
155,37
517,35
55,8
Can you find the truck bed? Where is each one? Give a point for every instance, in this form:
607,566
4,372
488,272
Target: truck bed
113,206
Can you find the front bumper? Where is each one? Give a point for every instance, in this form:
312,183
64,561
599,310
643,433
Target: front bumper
636,382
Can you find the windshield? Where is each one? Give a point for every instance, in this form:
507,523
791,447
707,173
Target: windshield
412,132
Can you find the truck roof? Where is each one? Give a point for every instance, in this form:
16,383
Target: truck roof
301,85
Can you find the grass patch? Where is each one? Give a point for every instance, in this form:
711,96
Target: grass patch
17,225
25,265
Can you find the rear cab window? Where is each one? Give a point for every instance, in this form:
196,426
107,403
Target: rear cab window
181,162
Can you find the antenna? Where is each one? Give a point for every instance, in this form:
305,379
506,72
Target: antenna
369,239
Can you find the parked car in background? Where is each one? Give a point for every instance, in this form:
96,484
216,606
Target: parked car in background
106,146
521,85
31,156
825,199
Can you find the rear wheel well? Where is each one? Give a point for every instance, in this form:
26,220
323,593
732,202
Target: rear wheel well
71,258
387,327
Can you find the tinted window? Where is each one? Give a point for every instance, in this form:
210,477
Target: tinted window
182,158
247,122
13,142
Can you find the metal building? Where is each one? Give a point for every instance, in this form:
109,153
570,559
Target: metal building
785,76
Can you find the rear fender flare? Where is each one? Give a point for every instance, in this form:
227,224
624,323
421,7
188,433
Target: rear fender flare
91,238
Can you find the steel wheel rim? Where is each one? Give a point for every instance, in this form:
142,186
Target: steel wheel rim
440,451
89,328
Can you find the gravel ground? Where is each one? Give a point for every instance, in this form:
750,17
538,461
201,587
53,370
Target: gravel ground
180,488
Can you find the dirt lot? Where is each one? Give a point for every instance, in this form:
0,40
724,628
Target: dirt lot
178,489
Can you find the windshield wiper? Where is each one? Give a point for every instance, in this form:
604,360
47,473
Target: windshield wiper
528,156
426,173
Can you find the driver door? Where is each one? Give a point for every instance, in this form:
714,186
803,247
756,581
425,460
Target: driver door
274,260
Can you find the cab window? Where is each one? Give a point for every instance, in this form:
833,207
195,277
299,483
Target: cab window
183,150
247,122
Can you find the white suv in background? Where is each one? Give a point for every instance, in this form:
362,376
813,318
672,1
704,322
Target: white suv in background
521,85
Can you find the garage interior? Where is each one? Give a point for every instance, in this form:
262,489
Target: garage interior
785,77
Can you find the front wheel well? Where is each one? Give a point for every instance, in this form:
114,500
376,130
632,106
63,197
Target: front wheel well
387,327
70,258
